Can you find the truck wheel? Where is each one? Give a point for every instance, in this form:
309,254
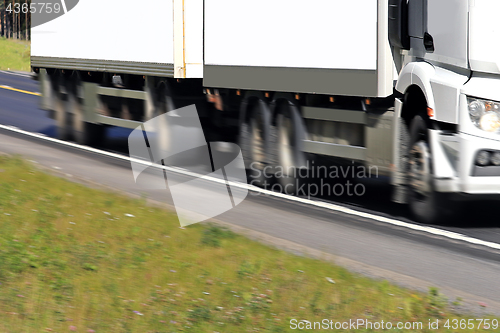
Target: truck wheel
63,126
254,142
164,103
291,158
84,133
93,135
427,205
165,100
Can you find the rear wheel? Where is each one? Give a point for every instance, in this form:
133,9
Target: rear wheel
84,133
69,114
90,134
255,143
164,104
291,158
62,117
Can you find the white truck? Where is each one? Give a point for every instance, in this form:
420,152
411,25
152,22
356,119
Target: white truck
409,86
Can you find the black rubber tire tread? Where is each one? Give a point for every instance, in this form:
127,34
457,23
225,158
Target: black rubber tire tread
61,115
94,135
291,183
256,177
273,145
244,142
83,133
436,208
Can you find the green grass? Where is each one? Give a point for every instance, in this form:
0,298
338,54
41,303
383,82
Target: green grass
14,55
71,260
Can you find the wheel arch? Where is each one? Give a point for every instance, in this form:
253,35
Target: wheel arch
414,103
440,87
415,83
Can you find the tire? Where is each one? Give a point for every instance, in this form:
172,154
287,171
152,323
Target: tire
291,160
93,135
254,141
165,99
168,125
62,117
164,103
84,133
426,205
400,189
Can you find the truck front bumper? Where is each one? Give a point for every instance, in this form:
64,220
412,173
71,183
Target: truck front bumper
455,169
470,180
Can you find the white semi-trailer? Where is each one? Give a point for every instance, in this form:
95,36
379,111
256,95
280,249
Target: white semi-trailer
409,86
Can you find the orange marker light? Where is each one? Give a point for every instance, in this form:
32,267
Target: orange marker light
430,112
332,99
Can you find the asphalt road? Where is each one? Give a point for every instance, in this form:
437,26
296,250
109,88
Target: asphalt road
409,257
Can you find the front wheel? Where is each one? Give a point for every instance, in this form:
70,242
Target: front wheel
427,205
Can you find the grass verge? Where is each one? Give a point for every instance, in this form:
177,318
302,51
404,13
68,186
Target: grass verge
14,55
78,259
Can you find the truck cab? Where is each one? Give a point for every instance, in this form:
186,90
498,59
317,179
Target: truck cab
449,80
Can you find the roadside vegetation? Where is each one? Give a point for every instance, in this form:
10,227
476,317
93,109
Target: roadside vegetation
14,55
78,259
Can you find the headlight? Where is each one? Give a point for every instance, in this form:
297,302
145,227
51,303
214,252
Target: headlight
484,114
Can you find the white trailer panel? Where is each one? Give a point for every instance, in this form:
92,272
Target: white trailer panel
124,36
296,33
484,49
316,46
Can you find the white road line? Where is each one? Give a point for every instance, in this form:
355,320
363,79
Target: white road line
324,205
17,74
64,6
